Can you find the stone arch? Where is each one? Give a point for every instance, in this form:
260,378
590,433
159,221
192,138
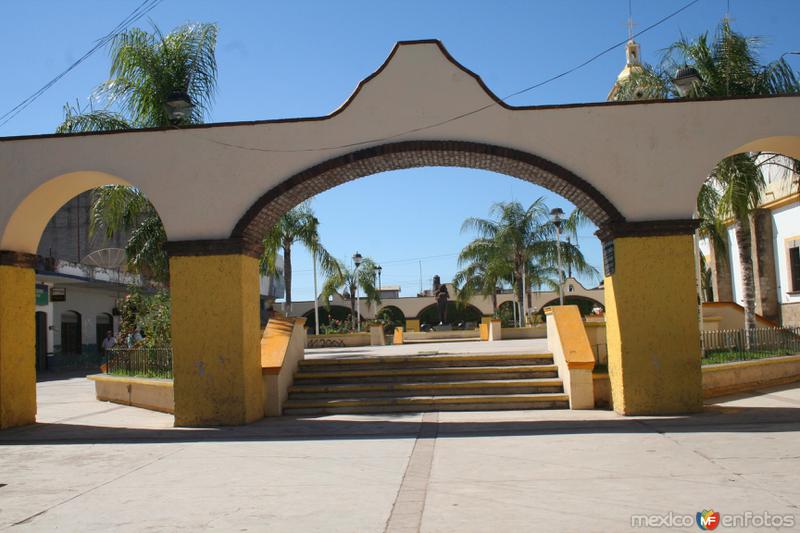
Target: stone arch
410,154
326,314
584,303
394,314
470,311
785,145
29,219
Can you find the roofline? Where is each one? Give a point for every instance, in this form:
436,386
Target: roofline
380,69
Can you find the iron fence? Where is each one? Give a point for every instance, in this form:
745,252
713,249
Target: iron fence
724,346
145,362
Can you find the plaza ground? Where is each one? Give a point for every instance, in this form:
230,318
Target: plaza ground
95,466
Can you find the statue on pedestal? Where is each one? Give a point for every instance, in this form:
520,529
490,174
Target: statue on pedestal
441,295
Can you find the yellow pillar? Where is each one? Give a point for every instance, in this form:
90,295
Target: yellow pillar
652,326
17,340
215,338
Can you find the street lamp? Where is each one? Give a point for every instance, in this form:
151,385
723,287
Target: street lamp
357,261
379,269
178,107
685,78
557,218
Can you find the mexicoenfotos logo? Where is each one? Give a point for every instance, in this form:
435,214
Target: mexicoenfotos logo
707,519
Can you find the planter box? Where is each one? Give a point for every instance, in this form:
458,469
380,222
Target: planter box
727,378
147,393
339,340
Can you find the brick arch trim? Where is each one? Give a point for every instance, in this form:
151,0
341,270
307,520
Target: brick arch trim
260,217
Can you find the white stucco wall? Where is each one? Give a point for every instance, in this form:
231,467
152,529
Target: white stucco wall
736,270
647,158
786,225
89,302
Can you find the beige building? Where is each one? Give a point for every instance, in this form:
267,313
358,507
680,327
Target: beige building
413,307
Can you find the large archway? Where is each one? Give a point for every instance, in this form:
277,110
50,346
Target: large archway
74,333
395,156
634,168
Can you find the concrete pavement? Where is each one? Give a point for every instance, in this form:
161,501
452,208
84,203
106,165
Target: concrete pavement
94,466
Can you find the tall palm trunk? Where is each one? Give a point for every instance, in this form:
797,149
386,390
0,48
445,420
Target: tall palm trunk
494,302
287,275
520,293
353,317
743,241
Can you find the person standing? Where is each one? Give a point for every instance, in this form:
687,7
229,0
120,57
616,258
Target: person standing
108,342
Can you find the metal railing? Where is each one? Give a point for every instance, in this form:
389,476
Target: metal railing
144,362
723,346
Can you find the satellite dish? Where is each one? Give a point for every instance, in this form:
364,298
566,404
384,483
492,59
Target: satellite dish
106,258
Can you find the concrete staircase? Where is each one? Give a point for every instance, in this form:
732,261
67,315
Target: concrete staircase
416,383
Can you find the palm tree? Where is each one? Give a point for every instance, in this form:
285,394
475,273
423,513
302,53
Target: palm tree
118,208
483,270
146,69
345,279
728,66
518,244
298,225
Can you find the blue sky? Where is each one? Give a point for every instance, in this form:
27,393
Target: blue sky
300,58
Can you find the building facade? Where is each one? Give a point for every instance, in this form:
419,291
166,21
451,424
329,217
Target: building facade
775,250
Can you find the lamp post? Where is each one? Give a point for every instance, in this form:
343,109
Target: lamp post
379,269
357,261
316,295
685,78
557,218
178,107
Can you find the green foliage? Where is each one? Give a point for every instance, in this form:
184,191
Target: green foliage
146,68
148,312
337,326
516,243
390,317
346,279
327,315
119,208
728,65
297,225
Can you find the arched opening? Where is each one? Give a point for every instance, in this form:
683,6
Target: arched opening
25,227
585,305
332,319
459,316
71,337
507,314
392,317
411,154
104,324
748,250
80,276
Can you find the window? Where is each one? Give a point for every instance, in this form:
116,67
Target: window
794,265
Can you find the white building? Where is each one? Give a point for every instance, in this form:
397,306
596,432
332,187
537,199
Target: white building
775,228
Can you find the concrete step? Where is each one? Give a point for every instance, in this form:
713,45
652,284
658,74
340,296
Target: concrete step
434,341
427,403
447,388
424,361
426,374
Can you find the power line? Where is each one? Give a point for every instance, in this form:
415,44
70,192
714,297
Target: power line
463,115
144,8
